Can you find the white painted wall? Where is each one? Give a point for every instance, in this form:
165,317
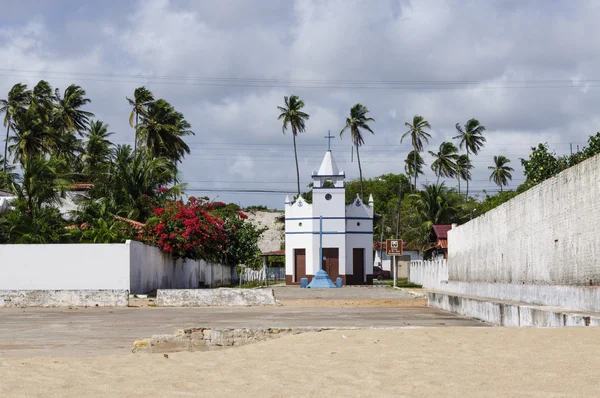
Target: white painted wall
386,262
429,274
547,235
64,267
131,266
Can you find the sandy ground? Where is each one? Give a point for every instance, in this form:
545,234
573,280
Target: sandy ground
410,362
355,303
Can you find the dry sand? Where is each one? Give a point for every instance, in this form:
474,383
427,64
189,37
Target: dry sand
408,362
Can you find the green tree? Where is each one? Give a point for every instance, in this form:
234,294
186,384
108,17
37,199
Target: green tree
17,100
293,116
42,184
463,169
501,171
356,122
541,165
445,161
471,138
98,150
417,134
142,98
162,129
414,161
69,117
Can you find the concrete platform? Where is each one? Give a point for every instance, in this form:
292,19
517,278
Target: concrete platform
32,332
510,313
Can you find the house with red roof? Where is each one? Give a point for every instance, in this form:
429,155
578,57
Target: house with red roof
439,241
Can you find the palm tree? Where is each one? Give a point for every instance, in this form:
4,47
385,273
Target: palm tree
414,161
31,136
355,123
471,138
463,169
500,171
42,184
98,149
417,133
292,116
161,131
69,117
445,161
142,97
15,104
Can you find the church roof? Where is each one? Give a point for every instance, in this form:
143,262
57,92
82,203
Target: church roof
328,166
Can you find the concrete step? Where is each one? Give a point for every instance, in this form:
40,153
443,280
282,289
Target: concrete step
510,313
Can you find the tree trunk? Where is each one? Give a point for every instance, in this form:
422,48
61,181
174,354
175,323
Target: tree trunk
297,169
415,168
500,188
362,187
458,184
6,146
136,135
468,162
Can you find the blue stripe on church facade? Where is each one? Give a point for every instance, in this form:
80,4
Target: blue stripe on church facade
327,218
331,233
329,188
329,175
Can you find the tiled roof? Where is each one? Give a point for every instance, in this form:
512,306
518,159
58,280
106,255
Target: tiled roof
274,253
80,187
441,231
381,246
133,223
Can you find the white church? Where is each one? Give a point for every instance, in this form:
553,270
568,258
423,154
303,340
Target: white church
346,231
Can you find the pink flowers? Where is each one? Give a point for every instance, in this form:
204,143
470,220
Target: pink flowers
162,190
242,215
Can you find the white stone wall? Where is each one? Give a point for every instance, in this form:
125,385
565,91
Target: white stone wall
131,266
64,267
151,269
550,235
429,274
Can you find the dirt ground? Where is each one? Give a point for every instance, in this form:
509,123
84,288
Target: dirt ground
461,362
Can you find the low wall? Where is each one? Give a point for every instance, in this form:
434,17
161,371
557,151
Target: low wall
64,298
151,269
64,267
429,274
215,298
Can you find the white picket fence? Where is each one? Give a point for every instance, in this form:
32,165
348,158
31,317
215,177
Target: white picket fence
275,274
429,274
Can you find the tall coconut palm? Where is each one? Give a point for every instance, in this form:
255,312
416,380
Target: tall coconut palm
98,149
142,97
17,100
69,117
161,130
294,118
413,162
463,169
501,171
31,136
445,161
471,138
356,122
42,184
417,134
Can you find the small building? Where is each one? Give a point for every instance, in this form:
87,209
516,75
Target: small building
439,241
346,231
385,262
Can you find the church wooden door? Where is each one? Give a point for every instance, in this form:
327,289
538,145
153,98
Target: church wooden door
299,264
358,266
331,263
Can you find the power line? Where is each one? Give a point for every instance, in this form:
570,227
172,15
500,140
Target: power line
303,84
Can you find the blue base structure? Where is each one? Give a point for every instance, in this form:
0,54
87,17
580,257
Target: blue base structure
321,281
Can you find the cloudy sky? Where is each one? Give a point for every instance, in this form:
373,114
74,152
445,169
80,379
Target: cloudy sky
528,70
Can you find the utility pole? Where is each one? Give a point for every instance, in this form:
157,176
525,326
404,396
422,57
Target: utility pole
395,260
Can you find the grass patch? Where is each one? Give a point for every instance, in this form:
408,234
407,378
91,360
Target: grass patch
401,283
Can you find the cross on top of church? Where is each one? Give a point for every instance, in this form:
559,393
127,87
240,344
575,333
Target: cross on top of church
329,137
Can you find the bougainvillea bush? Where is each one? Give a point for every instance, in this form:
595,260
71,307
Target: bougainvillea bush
201,229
